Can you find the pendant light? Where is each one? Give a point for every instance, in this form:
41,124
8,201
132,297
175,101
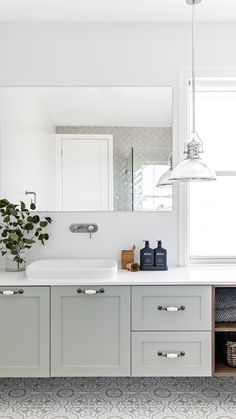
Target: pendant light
193,168
165,177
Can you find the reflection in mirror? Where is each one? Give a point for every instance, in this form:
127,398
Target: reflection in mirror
86,148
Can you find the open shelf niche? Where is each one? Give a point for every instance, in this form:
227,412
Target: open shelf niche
221,333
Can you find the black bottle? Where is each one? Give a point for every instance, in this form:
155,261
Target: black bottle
146,257
160,257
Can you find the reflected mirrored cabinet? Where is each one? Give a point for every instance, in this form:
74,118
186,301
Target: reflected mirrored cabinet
86,148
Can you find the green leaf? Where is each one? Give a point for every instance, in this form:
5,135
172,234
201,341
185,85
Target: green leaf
43,223
36,219
22,205
28,241
13,211
29,226
32,206
49,220
6,219
3,203
10,245
13,236
19,233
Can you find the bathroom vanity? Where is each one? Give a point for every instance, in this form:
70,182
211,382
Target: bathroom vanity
138,324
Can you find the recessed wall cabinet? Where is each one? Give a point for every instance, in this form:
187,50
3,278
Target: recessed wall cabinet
166,329
24,325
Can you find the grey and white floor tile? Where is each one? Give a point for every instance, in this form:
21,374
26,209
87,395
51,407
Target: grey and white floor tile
118,398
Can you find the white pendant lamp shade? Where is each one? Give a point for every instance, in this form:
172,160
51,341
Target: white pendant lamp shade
193,168
165,177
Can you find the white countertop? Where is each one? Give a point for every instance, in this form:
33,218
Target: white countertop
199,275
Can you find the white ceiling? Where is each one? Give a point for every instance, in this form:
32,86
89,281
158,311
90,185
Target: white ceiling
107,106
114,10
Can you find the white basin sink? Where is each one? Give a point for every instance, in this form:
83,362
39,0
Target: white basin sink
72,269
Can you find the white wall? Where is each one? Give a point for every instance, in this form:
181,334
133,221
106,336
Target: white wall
27,138
110,54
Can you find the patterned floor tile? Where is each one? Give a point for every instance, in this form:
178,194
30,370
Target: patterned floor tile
118,398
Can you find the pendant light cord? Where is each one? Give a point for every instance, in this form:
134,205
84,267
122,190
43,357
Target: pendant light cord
193,67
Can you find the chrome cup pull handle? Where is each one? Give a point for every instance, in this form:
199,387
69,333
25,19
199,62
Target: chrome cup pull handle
171,308
11,292
90,291
170,354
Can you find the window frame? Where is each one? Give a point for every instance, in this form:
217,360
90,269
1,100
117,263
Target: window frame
183,188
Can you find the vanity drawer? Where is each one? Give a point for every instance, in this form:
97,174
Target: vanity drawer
189,354
171,308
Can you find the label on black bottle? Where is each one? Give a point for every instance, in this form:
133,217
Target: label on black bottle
160,258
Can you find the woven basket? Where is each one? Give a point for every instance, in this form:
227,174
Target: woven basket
231,354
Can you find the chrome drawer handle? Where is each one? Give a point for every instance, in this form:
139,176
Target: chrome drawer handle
11,292
180,308
171,355
90,292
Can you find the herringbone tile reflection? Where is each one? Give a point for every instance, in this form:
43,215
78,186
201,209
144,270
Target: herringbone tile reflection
152,145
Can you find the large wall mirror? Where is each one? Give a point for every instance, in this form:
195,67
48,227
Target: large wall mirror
86,148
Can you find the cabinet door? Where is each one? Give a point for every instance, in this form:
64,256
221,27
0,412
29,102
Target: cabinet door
90,332
24,325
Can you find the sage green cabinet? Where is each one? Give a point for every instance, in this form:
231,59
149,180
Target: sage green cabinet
90,331
24,326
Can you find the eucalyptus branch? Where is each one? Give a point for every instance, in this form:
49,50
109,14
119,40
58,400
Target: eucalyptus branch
20,229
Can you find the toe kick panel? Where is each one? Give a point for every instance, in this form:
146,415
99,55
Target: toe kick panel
171,354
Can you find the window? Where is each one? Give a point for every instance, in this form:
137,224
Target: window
212,205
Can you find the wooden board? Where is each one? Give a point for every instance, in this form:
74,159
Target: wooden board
222,369
225,327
